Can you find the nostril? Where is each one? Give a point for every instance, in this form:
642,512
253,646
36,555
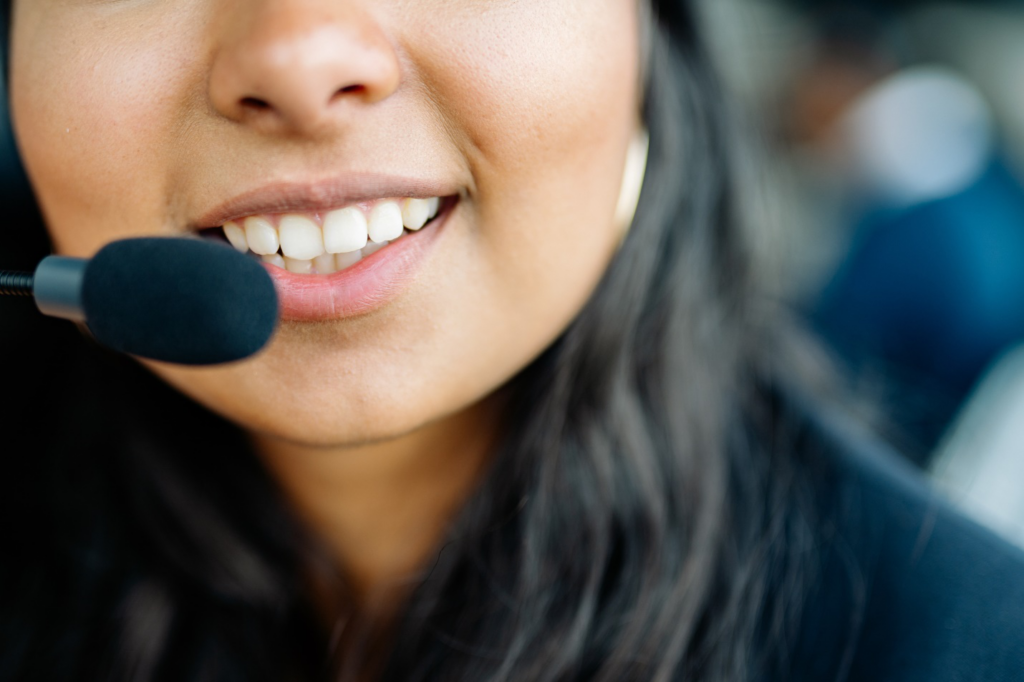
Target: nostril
254,104
349,89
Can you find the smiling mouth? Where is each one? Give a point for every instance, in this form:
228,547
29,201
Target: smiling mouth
325,242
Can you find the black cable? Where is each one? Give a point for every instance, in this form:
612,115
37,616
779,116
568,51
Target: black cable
15,283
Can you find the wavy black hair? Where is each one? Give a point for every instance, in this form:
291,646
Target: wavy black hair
638,521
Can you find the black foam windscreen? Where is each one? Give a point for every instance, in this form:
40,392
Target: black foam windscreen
186,301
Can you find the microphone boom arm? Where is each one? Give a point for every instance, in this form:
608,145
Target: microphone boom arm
15,283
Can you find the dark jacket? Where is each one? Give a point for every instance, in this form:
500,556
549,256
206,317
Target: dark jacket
909,589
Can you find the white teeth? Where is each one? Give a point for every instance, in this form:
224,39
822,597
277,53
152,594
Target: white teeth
261,235
324,264
301,238
415,213
345,230
343,260
347,235
300,266
373,247
236,235
273,259
385,222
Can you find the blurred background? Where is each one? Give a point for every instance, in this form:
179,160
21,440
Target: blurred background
891,215
893,209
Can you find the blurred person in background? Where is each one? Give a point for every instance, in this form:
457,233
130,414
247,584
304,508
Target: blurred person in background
931,289
570,443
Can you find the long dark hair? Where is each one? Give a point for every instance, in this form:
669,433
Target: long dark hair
637,522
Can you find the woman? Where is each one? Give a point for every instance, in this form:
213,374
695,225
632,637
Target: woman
518,437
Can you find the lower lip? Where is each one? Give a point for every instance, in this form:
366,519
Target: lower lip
368,285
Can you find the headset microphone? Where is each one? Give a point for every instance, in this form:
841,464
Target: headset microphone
186,301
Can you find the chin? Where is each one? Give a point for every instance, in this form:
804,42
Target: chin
306,409
315,434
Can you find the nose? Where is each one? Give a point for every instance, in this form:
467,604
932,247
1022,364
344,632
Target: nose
300,66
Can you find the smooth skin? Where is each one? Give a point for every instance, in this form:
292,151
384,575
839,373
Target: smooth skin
135,117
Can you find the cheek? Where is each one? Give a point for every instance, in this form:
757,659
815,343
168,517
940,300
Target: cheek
92,125
536,91
545,112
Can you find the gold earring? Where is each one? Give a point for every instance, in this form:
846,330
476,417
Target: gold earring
632,182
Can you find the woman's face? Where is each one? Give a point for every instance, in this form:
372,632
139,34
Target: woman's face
166,117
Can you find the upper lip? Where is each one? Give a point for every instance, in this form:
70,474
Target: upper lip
319,195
